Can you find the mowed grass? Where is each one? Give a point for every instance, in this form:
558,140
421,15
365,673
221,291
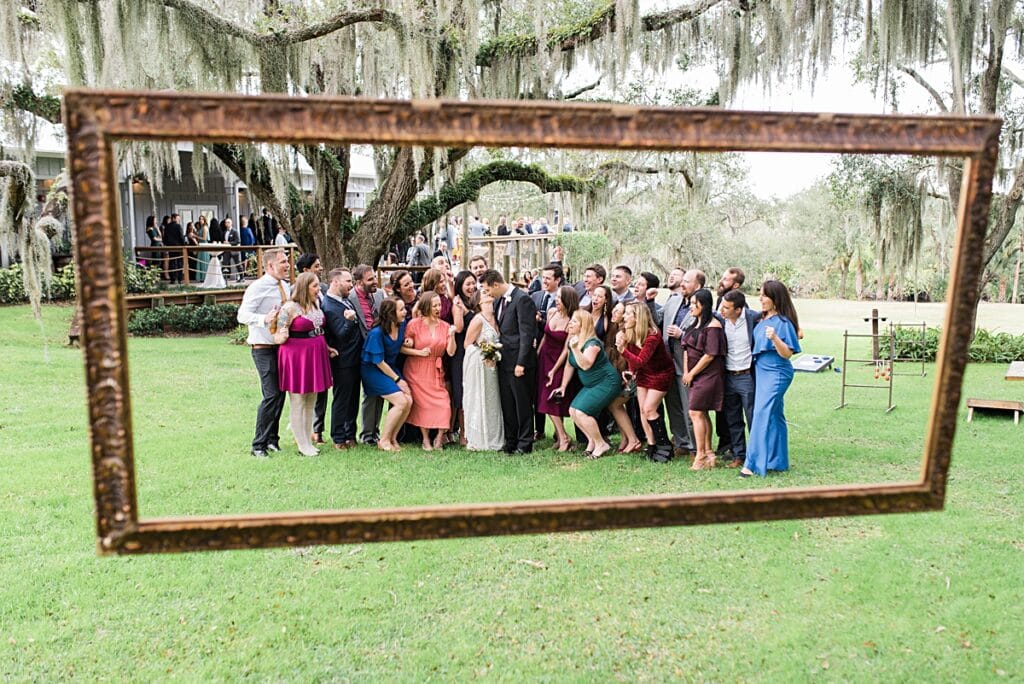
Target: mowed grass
907,597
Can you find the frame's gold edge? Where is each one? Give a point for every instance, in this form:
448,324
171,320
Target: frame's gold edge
235,532
94,118
101,300
954,347
127,114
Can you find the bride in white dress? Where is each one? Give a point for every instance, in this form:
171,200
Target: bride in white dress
480,399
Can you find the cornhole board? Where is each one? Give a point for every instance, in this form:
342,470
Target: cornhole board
809,363
995,405
1015,371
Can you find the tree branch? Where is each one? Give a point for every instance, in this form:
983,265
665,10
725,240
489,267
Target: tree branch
467,189
22,97
580,91
591,29
219,25
623,166
910,71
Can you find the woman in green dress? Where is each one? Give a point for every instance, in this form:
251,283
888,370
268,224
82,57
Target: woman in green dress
602,385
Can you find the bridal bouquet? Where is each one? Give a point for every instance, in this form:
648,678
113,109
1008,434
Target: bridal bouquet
491,351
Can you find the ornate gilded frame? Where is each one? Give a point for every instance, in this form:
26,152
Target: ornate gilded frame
95,119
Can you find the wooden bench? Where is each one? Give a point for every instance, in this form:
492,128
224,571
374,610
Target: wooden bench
1015,371
995,405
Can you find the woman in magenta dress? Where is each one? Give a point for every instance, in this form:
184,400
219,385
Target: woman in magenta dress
641,345
704,374
303,357
551,355
428,340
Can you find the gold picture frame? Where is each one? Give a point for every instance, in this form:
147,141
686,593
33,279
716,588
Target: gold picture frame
94,119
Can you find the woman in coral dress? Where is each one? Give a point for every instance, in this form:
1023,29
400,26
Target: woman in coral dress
303,357
428,340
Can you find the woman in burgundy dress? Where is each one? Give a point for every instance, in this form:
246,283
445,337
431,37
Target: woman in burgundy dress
303,357
550,363
704,374
641,345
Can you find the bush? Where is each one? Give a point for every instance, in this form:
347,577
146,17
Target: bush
141,280
12,285
986,347
215,318
137,280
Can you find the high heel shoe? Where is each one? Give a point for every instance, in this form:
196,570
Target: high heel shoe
709,462
565,446
635,448
698,463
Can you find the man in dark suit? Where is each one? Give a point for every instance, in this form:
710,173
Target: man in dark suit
366,299
732,280
175,237
341,326
232,263
269,229
677,320
517,327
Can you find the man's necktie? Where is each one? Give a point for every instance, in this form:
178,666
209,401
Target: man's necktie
280,288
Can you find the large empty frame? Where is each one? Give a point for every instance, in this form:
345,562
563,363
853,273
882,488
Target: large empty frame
96,119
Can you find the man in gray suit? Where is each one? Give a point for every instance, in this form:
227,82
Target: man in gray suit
366,299
676,322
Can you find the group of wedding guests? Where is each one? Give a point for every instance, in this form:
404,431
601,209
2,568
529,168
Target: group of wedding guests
470,358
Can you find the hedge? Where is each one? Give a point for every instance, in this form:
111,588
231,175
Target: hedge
216,318
137,280
986,347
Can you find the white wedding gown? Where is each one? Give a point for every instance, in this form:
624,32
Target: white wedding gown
481,401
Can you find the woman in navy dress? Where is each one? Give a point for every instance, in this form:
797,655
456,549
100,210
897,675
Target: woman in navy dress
379,370
775,340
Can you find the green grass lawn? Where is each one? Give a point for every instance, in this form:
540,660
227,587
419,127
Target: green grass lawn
934,596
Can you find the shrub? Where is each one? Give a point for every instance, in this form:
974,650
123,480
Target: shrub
12,285
137,280
986,347
214,318
141,280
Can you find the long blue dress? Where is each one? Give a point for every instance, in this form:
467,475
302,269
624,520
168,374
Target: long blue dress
380,347
768,446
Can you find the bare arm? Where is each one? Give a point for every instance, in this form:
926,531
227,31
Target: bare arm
473,331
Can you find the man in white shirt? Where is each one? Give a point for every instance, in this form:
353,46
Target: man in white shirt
739,322
260,305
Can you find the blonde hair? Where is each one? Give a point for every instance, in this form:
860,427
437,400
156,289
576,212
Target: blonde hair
300,293
586,323
642,327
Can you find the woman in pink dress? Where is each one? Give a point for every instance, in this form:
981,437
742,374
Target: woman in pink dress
303,357
427,340
550,364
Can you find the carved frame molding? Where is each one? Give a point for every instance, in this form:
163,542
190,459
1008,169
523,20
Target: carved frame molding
94,119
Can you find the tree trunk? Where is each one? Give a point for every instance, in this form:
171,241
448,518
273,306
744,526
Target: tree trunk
379,225
1003,282
858,277
844,276
1016,270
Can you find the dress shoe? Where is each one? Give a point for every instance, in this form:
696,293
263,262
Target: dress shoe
318,438
370,441
272,448
260,453
342,446
508,449
679,452
521,452
735,463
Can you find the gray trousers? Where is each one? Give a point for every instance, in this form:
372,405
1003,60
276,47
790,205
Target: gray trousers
739,403
677,402
268,416
372,408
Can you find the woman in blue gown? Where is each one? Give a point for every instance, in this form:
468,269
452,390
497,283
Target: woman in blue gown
775,340
380,370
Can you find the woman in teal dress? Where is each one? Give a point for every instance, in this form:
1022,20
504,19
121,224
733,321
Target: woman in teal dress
776,338
602,385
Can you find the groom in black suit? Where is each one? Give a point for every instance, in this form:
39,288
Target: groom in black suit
517,326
